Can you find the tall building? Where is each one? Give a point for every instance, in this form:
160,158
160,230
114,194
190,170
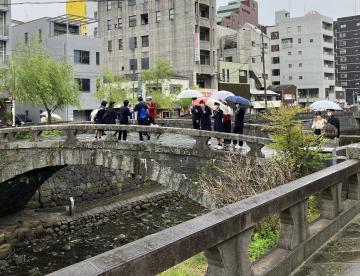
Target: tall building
63,39
302,53
238,12
137,33
347,56
84,9
244,47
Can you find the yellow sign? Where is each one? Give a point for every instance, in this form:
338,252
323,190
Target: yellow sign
77,8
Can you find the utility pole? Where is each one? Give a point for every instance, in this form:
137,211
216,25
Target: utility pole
263,62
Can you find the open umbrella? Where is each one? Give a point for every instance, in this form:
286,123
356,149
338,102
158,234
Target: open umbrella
324,105
189,94
226,109
198,100
238,100
221,95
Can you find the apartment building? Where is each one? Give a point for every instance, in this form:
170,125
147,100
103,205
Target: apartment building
244,48
238,12
63,39
302,54
137,33
84,9
347,56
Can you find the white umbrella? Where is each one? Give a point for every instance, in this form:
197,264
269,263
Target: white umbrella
189,94
221,95
226,109
324,105
53,116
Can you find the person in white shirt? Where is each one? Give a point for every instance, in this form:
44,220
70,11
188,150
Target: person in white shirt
318,123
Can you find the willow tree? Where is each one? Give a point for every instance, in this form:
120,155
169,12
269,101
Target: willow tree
34,77
112,88
157,74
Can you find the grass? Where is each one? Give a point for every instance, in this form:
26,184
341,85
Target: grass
51,133
195,266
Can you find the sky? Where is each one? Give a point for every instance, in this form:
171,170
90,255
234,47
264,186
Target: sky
267,8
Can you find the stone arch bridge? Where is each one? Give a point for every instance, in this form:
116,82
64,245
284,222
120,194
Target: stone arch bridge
170,162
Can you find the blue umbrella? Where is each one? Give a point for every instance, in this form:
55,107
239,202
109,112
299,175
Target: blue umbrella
238,100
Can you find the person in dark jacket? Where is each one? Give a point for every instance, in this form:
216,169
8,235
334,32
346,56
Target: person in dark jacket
142,116
195,116
99,119
239,125
123,115
332,120
205,116
218,123
109,116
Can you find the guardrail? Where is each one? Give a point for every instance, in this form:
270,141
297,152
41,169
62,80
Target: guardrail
225,234
71,130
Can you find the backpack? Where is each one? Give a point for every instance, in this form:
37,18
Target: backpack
143,115
106,118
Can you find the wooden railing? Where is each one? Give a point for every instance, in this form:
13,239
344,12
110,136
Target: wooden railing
71,130
224,235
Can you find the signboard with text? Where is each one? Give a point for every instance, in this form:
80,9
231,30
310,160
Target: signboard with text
197,47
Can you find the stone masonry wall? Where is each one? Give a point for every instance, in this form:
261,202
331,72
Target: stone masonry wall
83,183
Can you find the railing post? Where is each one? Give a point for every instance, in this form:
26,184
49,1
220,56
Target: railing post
230,258
202,143
70,136
354,187
35,135
255,149
330,202
10,137
293,226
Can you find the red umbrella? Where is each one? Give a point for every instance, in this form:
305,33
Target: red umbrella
198,100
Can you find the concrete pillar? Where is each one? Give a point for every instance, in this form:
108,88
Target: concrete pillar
202,143
35,135
354,187
294,227
230,258
330,202
70,136
255,149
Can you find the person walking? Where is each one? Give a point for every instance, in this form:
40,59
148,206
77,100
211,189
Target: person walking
218,123
152,110
318,123
109,116
332,120
123,115
195,115
99,119
239,125
227,128
142,117
205,116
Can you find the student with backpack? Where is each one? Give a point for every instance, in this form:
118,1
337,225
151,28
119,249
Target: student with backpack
142,116
123,116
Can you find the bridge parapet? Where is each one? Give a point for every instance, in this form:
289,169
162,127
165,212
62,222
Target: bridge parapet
225,234
71,130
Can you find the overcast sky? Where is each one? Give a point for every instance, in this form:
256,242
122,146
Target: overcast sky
332,8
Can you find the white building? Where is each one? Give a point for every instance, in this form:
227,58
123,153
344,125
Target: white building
244,47
61,36
302,53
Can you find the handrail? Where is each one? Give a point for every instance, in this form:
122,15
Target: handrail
227,230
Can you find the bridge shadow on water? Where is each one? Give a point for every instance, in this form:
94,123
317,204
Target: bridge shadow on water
18,191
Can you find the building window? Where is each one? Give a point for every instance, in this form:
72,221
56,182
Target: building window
158,16
145,41
290,78
342,51
275,48
108,5
275,60
82,57
290,65
84,84
342,43
344,83
145,63
343,67
299,28
289,29
40,35
300,52
342,26
97,58
299,40
26,38
300,77
133,42
145,19
343,59
253,60
289,53
228,75
253,43
133,64
300,65
311,40
132,21
110,45
120,23
171,14
343,76
121,44
276,72
274,35
342,35
109,25
132,2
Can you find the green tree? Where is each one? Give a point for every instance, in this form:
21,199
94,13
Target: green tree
156,75
112,89
290,139
162,101
34,77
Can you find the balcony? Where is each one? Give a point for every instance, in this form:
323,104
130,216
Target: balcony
4,31
204,22
206,69
4,5
205,45
4,60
